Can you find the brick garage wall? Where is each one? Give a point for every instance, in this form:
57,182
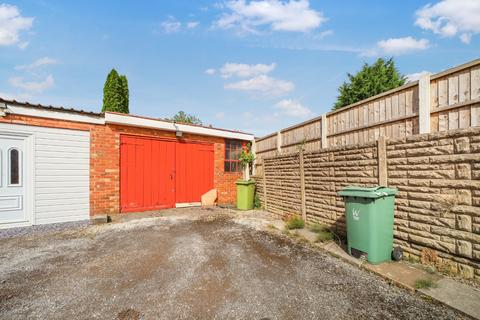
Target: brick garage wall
105,159
437,209
108,158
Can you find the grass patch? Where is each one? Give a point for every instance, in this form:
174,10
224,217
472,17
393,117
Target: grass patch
324,236
295,222
323,233
317,227
425,283
256,203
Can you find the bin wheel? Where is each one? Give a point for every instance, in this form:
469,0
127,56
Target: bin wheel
397,254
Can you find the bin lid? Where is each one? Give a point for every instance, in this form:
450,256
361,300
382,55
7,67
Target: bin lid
367,192
246,183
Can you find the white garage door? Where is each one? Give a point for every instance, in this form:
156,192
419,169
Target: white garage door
44,175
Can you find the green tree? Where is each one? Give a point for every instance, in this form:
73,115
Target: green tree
371,80
125,93
182,117
115,93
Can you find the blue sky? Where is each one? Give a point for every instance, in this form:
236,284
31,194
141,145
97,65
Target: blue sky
255,66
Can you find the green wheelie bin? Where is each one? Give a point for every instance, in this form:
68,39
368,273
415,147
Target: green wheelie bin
245,194
369,216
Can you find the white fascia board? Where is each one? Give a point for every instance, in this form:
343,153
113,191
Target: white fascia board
169,126
54,114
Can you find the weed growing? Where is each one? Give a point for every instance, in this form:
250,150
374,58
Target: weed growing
425,283
295,222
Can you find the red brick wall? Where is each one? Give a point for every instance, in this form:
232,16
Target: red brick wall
105,159
223,181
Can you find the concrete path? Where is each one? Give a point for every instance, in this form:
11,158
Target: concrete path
455,294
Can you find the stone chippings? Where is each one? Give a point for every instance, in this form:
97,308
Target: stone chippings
204,268
438,204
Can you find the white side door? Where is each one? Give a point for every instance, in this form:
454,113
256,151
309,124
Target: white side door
12,179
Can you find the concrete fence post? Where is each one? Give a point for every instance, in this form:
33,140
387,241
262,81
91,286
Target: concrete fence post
302,187
382,161
324,125
265,200
279,141
424,103
253,149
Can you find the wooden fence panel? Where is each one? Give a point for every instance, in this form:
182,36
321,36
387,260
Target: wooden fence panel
454,99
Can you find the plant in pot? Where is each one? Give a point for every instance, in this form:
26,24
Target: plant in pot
246,186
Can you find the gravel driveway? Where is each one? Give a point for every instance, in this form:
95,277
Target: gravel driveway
195,266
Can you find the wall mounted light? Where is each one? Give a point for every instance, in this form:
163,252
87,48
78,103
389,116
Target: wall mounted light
3,109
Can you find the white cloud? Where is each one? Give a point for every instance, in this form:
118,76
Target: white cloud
293,108
33,86
210,71
45,61
396,47
416,76
220,115
171,25
23,45
11,24
290,15
466,37
245,70
192,24
451,17
262,84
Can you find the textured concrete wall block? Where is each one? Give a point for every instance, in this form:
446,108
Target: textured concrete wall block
418,160
417,138
419,226
419,204
444,142
394,182
397,161
422,196
462,145
476,254
476,174
464,197
400,235
397,174
400,214
432,220
455,158
465,271
469,210
464,222
463,171
441,150
417,145
464,248
418,182
447,239
396,154
432,243
475,147
455,184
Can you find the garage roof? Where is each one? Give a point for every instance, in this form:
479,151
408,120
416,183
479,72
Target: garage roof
78,115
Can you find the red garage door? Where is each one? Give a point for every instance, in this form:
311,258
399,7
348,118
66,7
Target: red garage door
156,174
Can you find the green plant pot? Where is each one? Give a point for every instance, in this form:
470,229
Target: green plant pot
245,194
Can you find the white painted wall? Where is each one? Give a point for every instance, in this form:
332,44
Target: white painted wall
60,177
